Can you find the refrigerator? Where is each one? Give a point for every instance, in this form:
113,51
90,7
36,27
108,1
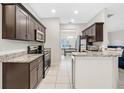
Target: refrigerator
81,44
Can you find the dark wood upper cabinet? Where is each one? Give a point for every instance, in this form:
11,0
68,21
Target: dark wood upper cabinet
44,30
8,21
95,32
36,25
99,32
31,29
19,23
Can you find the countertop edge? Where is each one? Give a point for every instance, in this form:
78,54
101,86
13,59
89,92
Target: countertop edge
29,56
96,54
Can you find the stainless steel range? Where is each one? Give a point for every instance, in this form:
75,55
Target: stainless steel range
47,61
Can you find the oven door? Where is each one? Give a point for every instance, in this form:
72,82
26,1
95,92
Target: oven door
47,60
46,63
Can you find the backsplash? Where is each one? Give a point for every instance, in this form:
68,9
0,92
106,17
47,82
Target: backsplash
98,44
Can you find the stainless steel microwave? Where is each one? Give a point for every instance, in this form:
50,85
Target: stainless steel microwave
39,35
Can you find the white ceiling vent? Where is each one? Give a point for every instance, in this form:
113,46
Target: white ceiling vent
110,15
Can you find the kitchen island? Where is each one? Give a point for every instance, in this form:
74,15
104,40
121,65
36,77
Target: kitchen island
95,70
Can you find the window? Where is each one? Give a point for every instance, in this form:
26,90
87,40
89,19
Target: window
65,43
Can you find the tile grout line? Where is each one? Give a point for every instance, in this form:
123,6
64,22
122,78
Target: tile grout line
64,66
68,74
56,76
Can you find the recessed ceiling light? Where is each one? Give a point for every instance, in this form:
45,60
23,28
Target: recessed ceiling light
76,12
53,11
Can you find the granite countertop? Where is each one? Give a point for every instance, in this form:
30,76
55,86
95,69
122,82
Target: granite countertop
27,58
98,54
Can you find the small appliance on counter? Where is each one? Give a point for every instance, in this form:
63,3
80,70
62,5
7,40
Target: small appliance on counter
32,49
40,49
92,48
35,49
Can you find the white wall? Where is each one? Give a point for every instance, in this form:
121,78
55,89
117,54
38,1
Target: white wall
77,27
113,26
28,6
116,38
99,17
53,38
116,25
116,22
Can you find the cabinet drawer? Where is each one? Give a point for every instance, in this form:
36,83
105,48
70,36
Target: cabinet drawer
35,63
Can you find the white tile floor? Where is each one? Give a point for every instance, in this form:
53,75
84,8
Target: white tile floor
58,76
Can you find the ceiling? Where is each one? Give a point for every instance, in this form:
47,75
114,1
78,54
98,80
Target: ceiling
65,11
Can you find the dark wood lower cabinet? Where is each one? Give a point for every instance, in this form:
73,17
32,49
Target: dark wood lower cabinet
40,70
22,75
33,78
15,76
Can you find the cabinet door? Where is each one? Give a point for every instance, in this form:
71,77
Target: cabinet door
15,76
93,32
99,32
33,78
84,32
31,29
40,71
43,30
35,25
8,21
21,24
90,31
44,35
39,26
